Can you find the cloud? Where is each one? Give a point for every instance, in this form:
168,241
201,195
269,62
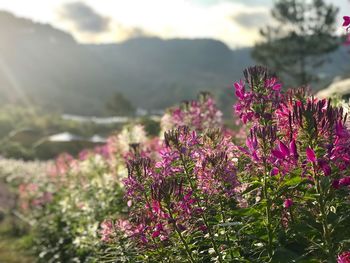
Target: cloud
84,18
253,19
212,19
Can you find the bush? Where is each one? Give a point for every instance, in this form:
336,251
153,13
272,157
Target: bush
282,196
276,190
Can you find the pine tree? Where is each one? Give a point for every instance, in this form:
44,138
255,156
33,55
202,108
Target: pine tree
297,43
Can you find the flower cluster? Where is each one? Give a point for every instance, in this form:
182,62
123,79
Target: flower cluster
205,195
172,195
198,114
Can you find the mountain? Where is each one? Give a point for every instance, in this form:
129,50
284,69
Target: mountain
45,66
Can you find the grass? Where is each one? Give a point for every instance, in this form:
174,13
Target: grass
14,247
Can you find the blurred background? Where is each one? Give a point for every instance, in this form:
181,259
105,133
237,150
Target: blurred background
72,72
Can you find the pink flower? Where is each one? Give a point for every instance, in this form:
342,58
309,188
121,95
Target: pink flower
288,203
274,171
283,148
293,149
239,86
325,167
346,22
310,154
344,257
344,181
156,234
273,84
107,230
278,154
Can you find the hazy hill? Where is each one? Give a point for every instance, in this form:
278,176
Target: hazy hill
46,66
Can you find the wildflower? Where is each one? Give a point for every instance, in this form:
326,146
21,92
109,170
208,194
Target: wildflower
344,257
344,181
346,22
107,230
274,171
293,149
310,154
273,84
240,90
288,203
325,167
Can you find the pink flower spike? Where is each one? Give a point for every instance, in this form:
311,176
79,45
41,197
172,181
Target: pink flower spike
288,203
310,154
346,21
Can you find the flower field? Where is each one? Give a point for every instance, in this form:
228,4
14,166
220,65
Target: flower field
274,189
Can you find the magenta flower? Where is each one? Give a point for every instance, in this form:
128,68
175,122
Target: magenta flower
293,149
288,203
273,84
346,22
278,154
284,151
344,181
274,171
283,148
310,154
325,167
344,257
240,91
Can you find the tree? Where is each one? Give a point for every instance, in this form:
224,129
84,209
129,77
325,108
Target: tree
299,40
119,105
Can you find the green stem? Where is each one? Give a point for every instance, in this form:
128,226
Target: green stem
323,218
224,221
188,251
211,235
268,218
268,203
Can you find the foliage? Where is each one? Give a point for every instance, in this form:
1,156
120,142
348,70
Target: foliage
296,45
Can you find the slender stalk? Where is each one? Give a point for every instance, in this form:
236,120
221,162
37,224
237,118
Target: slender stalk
268,205
211,235
268,218
224,221
177,230
323,217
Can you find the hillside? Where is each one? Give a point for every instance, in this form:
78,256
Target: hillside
45,66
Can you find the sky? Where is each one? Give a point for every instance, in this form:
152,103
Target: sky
235,22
